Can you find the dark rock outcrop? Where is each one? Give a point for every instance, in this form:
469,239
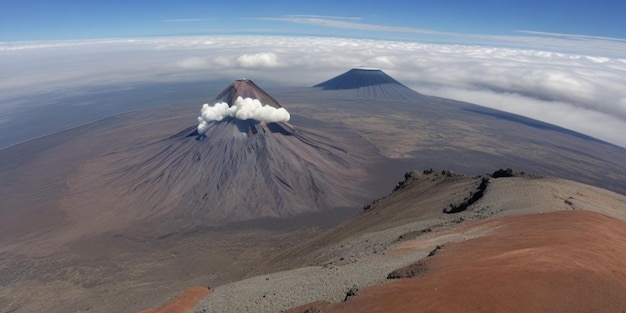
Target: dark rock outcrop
410,271
474,196
351,293
502,173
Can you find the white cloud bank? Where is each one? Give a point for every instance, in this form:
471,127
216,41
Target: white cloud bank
263,59
580,91
242,109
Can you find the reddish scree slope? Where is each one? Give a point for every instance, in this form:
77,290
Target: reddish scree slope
567,261
184,302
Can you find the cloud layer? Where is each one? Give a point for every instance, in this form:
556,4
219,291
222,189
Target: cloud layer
580,91
263,59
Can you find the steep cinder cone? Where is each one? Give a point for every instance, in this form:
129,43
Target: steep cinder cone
373,84
238,170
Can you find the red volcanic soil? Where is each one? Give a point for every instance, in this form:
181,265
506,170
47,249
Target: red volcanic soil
567,261
184,302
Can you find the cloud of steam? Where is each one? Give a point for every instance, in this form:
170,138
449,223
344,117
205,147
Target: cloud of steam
242,109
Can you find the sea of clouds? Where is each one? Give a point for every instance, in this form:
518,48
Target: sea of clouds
582,91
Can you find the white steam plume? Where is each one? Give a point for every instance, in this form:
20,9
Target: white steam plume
242,109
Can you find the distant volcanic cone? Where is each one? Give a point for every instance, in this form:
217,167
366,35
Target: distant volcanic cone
370,84
243,161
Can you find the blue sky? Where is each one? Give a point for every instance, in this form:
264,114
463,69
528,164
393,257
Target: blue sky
26,20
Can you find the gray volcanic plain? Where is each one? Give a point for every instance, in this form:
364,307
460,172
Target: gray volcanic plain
125,212
463,137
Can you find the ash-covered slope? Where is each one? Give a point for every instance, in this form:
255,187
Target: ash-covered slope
246,89
370,84
232,170
408,234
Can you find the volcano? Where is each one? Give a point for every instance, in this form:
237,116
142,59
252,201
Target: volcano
370,84
246,88
233,170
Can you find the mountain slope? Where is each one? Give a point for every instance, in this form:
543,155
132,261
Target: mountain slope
530,228
555,262
246,88
237,170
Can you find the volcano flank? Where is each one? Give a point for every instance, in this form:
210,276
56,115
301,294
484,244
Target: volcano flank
370,84
233,170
